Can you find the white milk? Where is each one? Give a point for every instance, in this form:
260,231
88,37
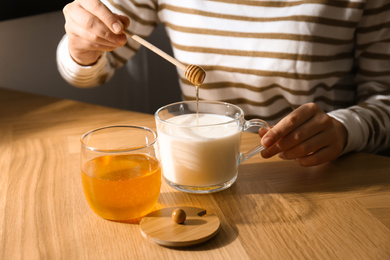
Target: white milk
199,156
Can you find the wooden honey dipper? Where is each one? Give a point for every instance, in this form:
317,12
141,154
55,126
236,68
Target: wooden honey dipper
195,74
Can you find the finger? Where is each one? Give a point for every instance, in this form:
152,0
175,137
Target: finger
82,39
84,24
307,130
98,9
83,44
262,131
322,156
270,151
86,53
288,124
125,21
310,146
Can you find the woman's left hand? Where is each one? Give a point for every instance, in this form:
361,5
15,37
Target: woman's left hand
307,135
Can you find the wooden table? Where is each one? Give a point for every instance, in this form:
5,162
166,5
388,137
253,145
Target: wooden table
275,210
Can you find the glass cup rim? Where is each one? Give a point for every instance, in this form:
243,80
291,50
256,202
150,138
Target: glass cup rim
122,150
200,101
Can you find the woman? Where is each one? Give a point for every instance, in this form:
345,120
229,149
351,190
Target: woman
319,71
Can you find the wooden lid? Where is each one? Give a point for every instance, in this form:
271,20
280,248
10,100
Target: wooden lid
159,227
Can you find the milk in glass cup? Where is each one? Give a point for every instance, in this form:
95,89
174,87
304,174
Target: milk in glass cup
121,174
199,144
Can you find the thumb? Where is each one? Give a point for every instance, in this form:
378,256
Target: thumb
125,21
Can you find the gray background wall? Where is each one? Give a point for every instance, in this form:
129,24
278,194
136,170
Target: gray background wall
27,63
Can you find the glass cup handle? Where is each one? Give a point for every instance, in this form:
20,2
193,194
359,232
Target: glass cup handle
248,124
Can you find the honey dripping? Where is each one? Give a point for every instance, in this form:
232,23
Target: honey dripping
197,104
196,76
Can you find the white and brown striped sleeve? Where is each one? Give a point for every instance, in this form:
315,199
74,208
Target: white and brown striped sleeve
368,122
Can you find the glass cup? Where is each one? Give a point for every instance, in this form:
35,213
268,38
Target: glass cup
199,144
120,172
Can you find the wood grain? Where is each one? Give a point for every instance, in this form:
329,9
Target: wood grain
275,210
199,226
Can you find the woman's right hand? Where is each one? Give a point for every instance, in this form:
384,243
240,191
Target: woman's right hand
92,28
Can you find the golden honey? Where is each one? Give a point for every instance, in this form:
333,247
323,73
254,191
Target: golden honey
122,187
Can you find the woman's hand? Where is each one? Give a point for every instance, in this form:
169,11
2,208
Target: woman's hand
92,28
307,135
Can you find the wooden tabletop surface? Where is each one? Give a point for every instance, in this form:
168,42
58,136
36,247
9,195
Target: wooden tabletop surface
275,210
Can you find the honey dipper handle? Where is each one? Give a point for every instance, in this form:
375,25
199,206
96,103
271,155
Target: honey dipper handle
156,50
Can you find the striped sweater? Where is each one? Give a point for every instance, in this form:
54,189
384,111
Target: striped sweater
269,57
